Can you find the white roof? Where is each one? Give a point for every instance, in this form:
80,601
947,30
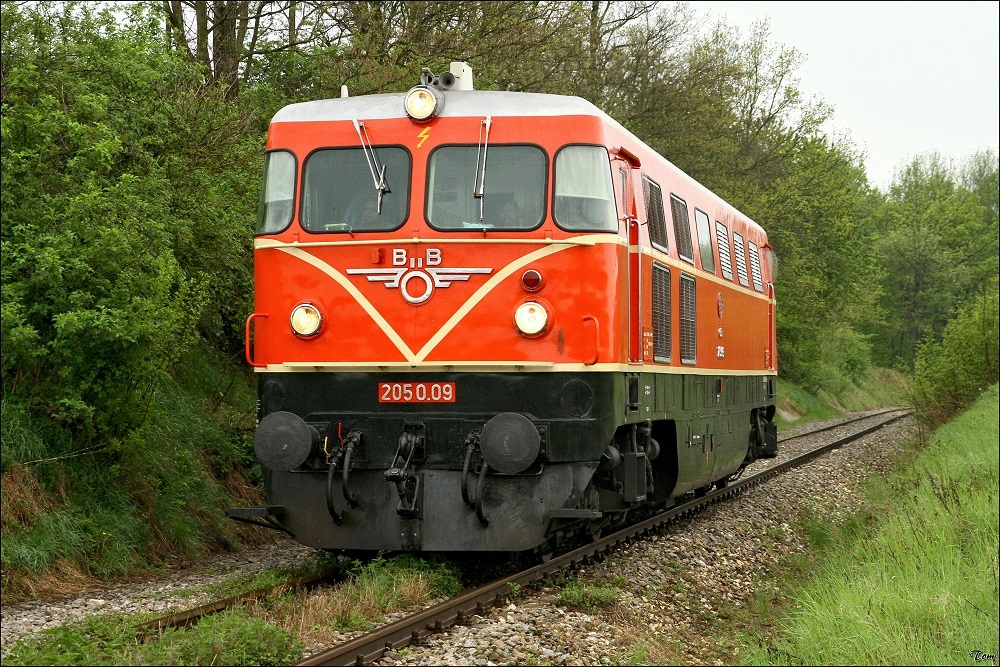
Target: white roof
456,103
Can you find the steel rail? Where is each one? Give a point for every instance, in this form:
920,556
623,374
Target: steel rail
183,619
369,647
844,423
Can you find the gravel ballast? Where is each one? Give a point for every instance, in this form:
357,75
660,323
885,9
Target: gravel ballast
674,587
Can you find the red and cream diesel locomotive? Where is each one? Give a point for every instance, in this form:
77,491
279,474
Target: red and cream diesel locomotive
485,321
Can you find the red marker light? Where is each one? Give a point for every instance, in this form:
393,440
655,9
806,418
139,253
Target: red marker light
531,280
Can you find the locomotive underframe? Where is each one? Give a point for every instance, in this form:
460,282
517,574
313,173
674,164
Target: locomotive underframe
595,459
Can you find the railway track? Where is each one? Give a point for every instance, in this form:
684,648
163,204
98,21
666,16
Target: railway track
438,618
191,616
457,610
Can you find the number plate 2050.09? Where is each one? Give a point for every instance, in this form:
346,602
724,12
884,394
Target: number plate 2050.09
416,392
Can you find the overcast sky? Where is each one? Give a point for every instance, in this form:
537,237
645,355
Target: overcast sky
903,78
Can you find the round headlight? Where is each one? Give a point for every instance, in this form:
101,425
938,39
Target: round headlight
306,319
420,103
531,318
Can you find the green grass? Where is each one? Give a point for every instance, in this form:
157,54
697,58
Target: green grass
232,637
915,579
881,387
319,562
386,585
26,439
579,595
636,654
369,591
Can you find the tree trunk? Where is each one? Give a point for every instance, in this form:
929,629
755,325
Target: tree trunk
201,34
225,48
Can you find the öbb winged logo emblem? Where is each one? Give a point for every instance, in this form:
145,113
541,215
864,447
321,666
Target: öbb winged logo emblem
426,270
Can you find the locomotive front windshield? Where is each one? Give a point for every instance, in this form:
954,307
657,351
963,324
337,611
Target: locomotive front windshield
340,192
584,192
510,187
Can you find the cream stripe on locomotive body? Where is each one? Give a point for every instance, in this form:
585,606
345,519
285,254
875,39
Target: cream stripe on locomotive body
417,360
466,339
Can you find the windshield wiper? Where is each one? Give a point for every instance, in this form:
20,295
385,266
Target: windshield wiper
479,189
372,158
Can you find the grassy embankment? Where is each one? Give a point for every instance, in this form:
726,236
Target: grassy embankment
911,580
75,513
879,387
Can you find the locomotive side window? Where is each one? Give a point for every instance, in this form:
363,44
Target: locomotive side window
682,228
704,241
513,196
722,236
758,284
340,195
277,196
689,329
654,213
741,259
661,313
584,192
623,185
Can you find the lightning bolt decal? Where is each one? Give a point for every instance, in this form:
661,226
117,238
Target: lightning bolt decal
423,136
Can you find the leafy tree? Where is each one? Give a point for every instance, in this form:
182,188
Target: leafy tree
980,175
937,243
951,373
225,37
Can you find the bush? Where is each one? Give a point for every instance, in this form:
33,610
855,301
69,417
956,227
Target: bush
951,374
129,192
128,213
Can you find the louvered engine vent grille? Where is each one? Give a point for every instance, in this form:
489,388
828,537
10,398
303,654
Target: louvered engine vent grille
661,313
682,228
689,330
